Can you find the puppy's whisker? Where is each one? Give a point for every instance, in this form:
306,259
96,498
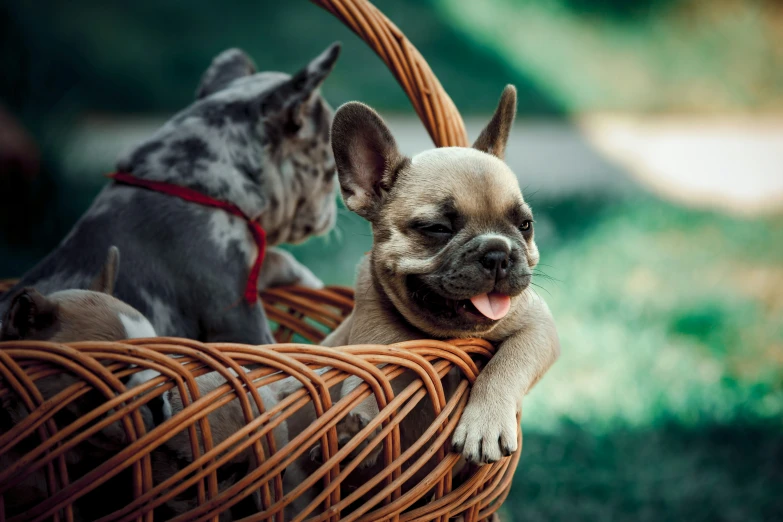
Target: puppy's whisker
335,234
416,292
529,195
425,296
547,278
542,288
539,273
339,234
367,291
542,275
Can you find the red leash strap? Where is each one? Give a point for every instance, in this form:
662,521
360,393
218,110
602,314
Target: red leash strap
194,196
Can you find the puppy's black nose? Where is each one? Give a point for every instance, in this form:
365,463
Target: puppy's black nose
496,262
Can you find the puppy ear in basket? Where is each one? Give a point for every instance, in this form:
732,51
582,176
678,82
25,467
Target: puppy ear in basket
105,280
30,312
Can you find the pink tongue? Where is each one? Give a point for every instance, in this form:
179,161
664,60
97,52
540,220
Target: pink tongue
493,305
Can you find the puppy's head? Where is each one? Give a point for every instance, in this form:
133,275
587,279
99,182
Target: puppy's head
75,315
259,140
453,237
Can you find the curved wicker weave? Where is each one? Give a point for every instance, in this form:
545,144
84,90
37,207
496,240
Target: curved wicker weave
299,311
434,107
473,494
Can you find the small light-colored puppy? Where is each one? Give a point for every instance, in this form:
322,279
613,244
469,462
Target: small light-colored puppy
452,257
75,315
78,315
68,316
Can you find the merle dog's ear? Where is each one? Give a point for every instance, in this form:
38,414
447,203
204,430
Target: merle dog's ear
306,81
494,137
287,105
107,277
366,156
225,68
30,312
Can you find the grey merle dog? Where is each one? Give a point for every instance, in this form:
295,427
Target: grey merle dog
259,141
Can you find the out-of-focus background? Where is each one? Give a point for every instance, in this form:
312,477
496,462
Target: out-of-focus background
649,143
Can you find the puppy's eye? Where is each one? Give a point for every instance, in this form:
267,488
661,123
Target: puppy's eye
435,229
526,225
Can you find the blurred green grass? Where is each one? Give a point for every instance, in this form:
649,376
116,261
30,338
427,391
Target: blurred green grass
666,401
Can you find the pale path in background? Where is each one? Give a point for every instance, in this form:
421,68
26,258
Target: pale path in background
732,164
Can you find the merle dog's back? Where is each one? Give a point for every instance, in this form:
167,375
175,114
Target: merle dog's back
164,271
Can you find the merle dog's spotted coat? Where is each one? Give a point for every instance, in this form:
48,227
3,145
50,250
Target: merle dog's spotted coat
257,140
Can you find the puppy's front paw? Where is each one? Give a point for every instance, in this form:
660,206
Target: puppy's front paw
486,433
280,268
309,279
352,424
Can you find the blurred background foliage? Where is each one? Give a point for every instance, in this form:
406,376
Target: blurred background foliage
667,400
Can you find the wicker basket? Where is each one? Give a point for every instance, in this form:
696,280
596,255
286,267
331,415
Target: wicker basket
98,367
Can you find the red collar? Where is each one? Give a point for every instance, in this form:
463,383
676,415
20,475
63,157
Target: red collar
194,196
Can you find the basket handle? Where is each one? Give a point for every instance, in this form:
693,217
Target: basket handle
434,107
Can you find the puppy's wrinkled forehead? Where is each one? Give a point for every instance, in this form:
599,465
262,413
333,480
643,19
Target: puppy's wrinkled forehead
477,186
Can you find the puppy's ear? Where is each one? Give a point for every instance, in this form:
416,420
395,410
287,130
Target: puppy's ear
366,156
106,279
29,313
287,105
225,68
494,137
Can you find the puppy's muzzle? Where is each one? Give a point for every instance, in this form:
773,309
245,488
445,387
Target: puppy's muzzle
495,259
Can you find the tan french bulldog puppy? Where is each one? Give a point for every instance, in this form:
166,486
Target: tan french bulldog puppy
452,257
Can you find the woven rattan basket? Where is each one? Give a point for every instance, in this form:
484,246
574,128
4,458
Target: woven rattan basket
474,494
